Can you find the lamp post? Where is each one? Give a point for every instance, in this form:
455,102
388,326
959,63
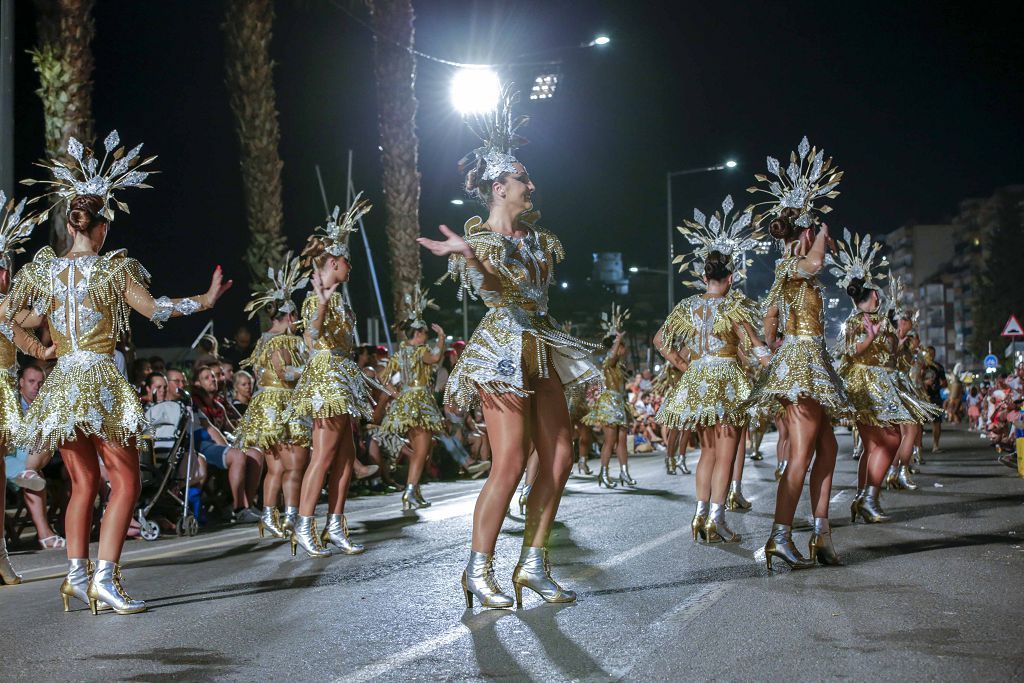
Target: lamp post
669,224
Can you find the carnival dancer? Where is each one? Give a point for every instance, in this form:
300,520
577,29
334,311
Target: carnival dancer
610,412
276,362
85,407
518,362
414,414
800,375
14,230
332,390
677,441
709,326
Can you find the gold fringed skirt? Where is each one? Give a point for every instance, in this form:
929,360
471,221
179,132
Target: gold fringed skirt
84,393
10,410
331,385
264,425
609,410
415,408
801,368
711,391
879,399
576,401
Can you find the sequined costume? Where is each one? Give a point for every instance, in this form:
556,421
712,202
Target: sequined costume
801,367
517,338
87,301
10,402
610,408
331,383
714,386
415,407
276,362
666,380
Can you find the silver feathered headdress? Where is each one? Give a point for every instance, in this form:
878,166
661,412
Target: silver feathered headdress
279,287
414,304
339,226
808,179
733,237
499,132
93,176
856,260
15,229
615,323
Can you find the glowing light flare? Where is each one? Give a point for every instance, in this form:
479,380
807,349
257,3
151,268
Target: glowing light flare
600,40
730,164
475,91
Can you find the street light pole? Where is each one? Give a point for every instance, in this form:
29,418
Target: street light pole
669,222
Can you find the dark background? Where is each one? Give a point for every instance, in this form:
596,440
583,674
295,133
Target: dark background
919,102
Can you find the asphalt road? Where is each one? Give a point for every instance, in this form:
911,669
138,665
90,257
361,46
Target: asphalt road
933,595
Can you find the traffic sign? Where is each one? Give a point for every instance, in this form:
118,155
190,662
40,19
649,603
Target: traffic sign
991,362
1013,328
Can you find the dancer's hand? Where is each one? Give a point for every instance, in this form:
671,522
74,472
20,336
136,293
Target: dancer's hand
453,244
322,293
50,352
438,330
217,287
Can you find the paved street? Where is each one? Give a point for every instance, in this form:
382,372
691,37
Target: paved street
933,595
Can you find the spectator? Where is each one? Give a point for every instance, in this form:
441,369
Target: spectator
155,389
141,369
934,376
242,393
30,378
176,383
240,347
158,364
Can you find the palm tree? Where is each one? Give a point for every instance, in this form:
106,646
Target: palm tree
247,29
63,59
395,70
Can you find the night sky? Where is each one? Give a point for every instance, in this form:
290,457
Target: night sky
919,102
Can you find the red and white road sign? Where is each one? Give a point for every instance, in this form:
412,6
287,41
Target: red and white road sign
1013,328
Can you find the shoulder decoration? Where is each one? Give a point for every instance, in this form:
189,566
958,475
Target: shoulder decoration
279,287
732,237
498,130
856,261
809,179
90,176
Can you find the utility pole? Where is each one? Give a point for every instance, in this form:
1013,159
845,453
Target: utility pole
7,96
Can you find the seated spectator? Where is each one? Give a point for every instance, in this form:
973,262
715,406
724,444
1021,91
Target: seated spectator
242,391
141,369
176,384
30,378
155,389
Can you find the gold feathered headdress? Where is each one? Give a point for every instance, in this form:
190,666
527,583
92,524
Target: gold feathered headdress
95,177
808,179
280,284
733,237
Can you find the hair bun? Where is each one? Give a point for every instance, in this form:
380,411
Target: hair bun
784,227
84,212
857,291
717,266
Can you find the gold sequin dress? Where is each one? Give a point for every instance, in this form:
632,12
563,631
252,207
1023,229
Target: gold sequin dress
331,383
87,301
415,407
516,339
610,408
872,379
715,385
801,367
276,363
10,400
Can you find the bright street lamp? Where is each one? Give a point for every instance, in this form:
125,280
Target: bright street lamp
475,91
730,164
599,40
634,269
458,202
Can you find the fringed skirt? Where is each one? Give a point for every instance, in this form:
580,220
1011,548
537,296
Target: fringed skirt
609,410
801,368
415,408
331,385
711,391
879,400
264,425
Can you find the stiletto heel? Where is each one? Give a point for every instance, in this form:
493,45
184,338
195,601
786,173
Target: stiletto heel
295,544
469,594
67,602
734,500
106,588
76,583
259,528
868,507
93,606
519,594
7,574
534,572
715,528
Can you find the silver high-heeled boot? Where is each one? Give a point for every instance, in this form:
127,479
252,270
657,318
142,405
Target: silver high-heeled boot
524,496
889,480
624,477
780,545
715,528
780,469
604,479
76,583
423,502
305,536
105,588
7,574
270,523
869,508
288,519
734,500
409,501
820,546
534,572
336,533
903,479
478,580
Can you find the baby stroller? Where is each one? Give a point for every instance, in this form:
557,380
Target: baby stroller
166,443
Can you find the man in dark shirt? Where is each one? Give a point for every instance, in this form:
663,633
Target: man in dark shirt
934,377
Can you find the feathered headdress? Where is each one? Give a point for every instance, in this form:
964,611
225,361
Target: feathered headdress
414,303
896,299
856,261
732,237
279,287
14,230
616,322
808,179
340,226
499,132
93,176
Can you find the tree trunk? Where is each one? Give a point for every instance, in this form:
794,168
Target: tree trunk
395,70
247,29
63,59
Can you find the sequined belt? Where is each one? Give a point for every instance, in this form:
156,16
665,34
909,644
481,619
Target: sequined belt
334,352
82,360
714,360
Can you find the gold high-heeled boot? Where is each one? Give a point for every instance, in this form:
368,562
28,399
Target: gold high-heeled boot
603,479
780,469
715,528
423,502
478,580
700,515
270,522
106,588
903,479
534,572
624,477
306,537
820,546
582,466
868,507
288,519
7,574
76,583
524,497
780,544
735,501
336,534
409,501
889,480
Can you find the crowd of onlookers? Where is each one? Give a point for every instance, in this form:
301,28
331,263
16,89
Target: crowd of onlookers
992,408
